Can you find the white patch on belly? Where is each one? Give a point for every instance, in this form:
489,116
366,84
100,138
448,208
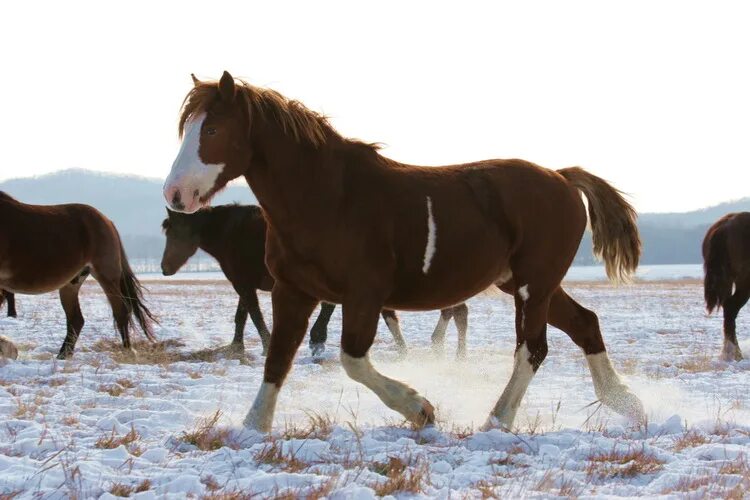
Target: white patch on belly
189,173
429,249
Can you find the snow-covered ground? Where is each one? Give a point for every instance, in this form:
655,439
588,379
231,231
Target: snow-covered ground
102,424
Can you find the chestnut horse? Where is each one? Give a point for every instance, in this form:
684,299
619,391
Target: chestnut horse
54,247
235,235
726,262
350,226
11,299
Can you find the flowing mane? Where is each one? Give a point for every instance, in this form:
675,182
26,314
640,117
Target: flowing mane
305,125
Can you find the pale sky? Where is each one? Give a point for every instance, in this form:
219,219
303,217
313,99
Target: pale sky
654,96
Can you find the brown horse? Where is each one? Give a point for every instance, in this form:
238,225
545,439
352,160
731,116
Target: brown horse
235,235
349,226
11,299
47,248
726,262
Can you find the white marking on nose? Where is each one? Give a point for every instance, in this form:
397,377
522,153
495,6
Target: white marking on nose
429,249
189,173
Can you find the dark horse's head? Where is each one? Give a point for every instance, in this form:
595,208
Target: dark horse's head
220,125
183,239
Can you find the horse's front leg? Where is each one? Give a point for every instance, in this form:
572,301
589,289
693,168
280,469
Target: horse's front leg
360,322
291,312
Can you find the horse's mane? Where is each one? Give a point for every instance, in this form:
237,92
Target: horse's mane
294,118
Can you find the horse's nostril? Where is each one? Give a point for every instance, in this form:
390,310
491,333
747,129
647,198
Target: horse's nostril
176,197
195,193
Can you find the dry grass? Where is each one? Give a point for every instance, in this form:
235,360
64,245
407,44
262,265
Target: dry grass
698,364
206,436
69,420
113,390
690,439
319,426
125,490
150,353
111,441
617,464
272,454
24,411
400,477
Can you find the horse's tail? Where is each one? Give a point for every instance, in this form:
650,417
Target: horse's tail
613,224
717,283
132,293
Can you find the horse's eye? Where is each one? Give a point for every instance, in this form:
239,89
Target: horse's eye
210,131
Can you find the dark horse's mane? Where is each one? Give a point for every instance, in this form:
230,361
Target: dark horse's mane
295,119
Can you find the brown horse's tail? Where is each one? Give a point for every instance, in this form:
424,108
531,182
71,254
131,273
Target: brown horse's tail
613,224
132,292
717,284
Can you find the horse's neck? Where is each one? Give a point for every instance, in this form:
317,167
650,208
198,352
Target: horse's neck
210,235
296,186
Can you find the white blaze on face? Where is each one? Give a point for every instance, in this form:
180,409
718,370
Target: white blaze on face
190,177
429,249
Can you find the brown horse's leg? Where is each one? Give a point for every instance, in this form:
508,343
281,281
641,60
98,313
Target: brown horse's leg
582,326
73,317
252,306
531,348
319,330
438,335
11,304
391,320
461,317
732,306
240,319
359,327
291,312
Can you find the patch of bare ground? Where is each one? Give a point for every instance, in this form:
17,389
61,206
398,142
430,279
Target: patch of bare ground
698,364
150,353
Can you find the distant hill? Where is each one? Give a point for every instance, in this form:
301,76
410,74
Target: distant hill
136,206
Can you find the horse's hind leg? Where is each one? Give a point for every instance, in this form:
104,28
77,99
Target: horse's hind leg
391,320
582,326
732,306
438,335
250,303
319,330
461,317
531,349
73,317
11,297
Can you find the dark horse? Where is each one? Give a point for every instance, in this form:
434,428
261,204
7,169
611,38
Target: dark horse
47,248
726,262
235,235
11,299
350,226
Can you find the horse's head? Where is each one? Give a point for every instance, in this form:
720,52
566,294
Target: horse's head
215,144
183,238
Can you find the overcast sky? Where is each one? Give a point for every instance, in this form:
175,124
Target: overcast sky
654,96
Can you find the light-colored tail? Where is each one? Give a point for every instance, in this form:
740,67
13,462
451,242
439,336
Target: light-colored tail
613,223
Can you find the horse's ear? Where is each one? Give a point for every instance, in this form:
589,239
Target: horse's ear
226,87
196,82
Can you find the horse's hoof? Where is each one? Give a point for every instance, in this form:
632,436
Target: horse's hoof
425,416
317,350
253,422
731,352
